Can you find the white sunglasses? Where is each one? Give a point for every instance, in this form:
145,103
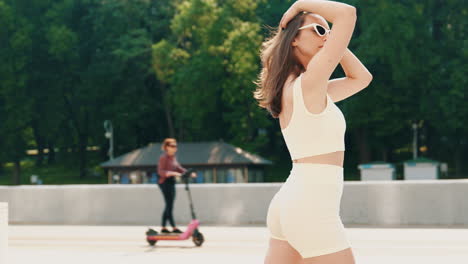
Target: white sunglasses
319,29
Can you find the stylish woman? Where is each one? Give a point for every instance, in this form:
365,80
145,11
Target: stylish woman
295,87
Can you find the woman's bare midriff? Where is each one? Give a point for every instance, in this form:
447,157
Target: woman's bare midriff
332,158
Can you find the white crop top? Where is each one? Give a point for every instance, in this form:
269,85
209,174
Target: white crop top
309,134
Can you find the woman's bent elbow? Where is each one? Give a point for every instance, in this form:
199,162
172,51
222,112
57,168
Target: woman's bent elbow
349,14
368,80
350,11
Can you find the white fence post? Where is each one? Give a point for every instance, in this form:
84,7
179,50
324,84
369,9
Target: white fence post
3,233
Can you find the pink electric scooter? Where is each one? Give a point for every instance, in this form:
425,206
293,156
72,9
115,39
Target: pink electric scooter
153,236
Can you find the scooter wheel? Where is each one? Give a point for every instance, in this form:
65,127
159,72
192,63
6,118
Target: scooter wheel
151,232
151,242
198,239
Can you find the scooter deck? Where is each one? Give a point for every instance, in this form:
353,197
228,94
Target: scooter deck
163,237
153,235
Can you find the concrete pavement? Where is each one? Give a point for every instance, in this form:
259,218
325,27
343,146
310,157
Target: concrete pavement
226,245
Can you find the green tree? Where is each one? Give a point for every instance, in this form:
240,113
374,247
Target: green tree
15,104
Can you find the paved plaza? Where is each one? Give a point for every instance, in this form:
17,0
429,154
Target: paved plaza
226,245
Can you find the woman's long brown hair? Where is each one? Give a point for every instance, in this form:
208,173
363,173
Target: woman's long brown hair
278,63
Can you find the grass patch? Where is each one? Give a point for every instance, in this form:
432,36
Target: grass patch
64,171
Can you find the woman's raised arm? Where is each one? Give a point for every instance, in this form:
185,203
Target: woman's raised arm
330,10
357,78
323,63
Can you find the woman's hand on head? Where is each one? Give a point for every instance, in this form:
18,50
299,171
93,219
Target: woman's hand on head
289,14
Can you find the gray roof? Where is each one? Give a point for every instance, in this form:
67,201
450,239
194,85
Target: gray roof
200,153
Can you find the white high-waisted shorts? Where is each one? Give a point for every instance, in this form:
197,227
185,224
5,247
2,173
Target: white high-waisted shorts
305,211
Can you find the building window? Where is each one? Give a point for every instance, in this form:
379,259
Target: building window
256,175
237,175
208,176
200,177
232,175
221,176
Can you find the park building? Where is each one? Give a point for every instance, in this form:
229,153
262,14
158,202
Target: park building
214,162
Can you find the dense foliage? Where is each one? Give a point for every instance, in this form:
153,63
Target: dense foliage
185,68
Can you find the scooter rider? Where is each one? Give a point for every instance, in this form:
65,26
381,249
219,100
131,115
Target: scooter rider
168,168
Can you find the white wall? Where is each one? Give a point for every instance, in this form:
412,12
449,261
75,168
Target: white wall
3,232
379,203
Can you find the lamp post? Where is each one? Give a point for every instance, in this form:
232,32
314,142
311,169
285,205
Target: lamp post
415,140
110,135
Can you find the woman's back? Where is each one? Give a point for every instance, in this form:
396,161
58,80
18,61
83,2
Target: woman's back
308,134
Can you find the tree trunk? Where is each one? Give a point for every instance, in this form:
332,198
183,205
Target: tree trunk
170,123
17,173
51,155
39,143
180,136
458,160
82,155
363,145
385,154
428,141
167,110
83,143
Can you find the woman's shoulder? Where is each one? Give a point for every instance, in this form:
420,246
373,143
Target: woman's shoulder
289,84
289,80
292,77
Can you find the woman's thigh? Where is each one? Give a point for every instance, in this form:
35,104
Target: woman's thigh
281,252
341,257
168,191
173,192
309,213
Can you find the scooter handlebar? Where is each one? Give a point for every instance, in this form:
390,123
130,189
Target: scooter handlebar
186,175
